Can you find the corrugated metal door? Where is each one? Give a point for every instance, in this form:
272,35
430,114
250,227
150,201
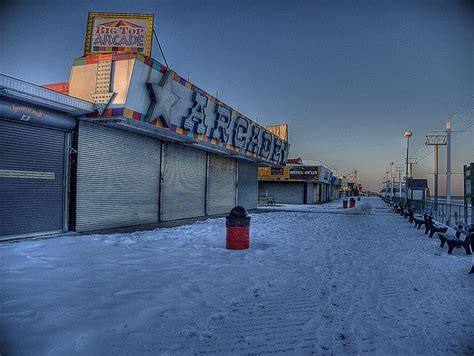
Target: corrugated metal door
184,182
316,193
117,178
247,188
285,192
31,179
309,193
221,184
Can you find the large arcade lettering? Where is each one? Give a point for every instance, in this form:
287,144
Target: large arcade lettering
221,124
245,135
240,132
196,119
253,144
277,150
267,140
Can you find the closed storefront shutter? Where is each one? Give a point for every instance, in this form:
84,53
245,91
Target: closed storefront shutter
32,194
184,182
316,193
222,184
309,193
247,185
117,178
283,192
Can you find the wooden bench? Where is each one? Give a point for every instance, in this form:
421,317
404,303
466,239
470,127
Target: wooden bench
419,220
435,227
406,213
401,210
271,202
456,241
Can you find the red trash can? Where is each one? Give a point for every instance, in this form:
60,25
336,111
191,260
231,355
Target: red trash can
238,229
352,203
344,203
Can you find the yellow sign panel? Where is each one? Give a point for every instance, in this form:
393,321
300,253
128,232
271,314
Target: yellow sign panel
279,130
116,32
267,173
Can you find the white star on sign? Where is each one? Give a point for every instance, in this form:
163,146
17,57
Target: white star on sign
165,98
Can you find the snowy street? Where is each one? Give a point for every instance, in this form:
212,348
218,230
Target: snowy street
316,279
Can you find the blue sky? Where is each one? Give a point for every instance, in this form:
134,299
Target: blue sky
349,77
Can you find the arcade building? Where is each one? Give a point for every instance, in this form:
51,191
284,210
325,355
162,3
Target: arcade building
125,142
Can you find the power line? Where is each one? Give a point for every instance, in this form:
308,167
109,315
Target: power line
450,118
464,130
425,156
460,110
458,120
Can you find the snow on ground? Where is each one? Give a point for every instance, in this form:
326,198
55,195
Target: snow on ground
313,281
335,207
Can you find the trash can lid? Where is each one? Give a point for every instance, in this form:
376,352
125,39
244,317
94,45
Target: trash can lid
238,212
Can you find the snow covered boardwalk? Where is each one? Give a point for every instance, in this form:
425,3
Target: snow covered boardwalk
318,280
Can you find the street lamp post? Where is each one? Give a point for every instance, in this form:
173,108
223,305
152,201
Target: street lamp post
407,135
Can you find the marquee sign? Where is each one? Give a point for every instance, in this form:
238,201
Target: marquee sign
173,107
209,119
116,32
309,173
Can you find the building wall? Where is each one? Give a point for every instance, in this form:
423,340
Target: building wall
309,192
283,192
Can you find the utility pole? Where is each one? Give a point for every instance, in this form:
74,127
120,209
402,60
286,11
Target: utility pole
411,162
448,162
399,170
391,181
407,135
436,141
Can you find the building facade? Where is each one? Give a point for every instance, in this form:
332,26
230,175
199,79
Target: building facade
36,129
133,143
297,183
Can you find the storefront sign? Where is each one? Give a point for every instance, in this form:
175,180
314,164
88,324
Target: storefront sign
35,115
114,32
277,171
303,172
222,125
324,175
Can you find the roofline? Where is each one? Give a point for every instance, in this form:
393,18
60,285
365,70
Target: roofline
18,89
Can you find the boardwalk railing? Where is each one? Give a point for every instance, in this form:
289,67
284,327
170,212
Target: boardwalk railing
442,212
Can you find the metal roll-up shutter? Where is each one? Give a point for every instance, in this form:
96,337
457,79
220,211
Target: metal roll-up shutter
117,178
221,184
309,193
284,192
316,193
31,180
247,185
184,182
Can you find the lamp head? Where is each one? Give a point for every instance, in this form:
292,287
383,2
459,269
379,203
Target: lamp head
408,134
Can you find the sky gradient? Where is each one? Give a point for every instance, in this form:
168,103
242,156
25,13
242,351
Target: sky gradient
349,77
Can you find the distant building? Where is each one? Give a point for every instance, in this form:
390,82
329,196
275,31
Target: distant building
297,183
468,184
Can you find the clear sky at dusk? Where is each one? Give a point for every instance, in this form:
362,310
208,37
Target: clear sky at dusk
349,77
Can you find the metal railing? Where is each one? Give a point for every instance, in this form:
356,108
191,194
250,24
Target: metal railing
445,213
